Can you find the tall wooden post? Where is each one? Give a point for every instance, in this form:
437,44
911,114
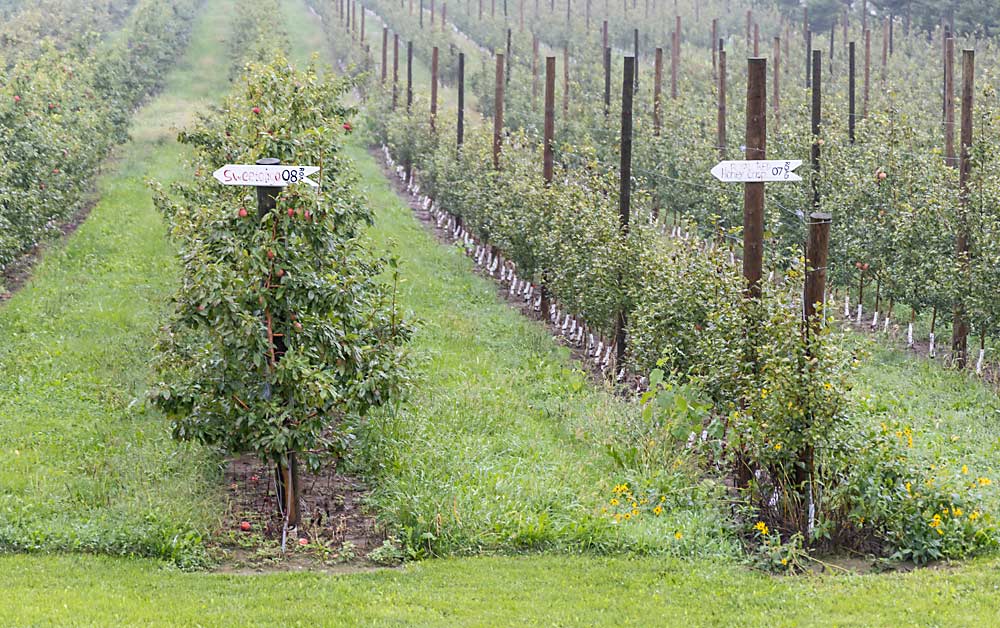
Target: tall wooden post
548,156
809,44
817,250
625,194
657,79
287,470
510,59
756,40
960,323
498,112
607,82
409,75
753,193
715,54
814,296
833,34
852,112
461,100
635,60
362,26
395,70
721,125
817,111
434,86
385,46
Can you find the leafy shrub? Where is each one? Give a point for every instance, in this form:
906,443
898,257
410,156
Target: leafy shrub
282,327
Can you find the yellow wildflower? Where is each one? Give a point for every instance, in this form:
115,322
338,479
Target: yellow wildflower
761,527
908,485
658,511
965,469
984,482
784,561
678,535
635,513
935,521
777,447
614,502
663,498
627,516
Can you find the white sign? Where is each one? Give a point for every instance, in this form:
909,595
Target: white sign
761,171
265,176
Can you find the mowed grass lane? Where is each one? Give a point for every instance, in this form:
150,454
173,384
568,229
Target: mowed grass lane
84,465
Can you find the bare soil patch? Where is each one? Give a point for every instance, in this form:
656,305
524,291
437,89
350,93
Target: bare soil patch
336,534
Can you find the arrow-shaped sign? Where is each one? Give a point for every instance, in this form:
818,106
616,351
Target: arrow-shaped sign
265,176
761,171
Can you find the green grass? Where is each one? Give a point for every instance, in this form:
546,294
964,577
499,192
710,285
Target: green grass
84,465
503,444
955,416
531,591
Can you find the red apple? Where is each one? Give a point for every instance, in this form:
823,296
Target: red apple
307,215
281,272
17,99
243,212
298,326
256,110
270,255
303,542
348,127
245,526
291,212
